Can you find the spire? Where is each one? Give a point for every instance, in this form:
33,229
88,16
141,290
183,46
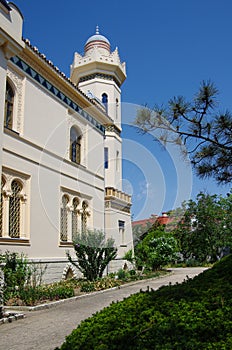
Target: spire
97,30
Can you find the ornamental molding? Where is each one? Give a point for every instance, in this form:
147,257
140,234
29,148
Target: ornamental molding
62,97
19,85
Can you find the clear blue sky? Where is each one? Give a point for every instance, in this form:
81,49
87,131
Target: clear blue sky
169,47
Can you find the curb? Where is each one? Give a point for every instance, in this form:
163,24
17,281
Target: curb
62,301
10,317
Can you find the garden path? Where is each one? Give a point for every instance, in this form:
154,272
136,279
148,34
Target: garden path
46,329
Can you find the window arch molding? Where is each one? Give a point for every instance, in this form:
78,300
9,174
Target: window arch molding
75,151
74,218
15,219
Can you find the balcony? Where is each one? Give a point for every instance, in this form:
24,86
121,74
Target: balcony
118,200
112,192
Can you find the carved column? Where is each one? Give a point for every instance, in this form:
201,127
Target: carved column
1,290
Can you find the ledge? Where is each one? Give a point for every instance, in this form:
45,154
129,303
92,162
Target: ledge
66,244
10,131
14,241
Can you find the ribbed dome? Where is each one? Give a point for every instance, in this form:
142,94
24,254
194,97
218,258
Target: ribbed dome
97,37
97,40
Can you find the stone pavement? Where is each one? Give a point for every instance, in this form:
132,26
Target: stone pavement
46,329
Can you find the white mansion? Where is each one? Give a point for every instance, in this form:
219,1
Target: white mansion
60,148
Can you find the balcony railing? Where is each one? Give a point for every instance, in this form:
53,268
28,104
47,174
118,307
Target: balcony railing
112,192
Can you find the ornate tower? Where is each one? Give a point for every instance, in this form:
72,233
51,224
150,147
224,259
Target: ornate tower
99,73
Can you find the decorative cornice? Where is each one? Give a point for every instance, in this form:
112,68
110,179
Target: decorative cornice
113,128
56,92
42,56
101,76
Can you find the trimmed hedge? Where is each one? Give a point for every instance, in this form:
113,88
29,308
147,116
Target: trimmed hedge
196,314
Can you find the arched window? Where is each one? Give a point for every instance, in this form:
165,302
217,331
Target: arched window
75,217
84,216
1,207
117,160
75,145
9,103
105,101
64,219
116,106
15,210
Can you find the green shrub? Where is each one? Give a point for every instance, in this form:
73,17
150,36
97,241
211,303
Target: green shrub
93,253
156,250
194,315
121,274
17,273
87,287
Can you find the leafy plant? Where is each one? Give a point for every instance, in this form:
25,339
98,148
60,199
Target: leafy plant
204,233
156,250
17,273
93,253
121,274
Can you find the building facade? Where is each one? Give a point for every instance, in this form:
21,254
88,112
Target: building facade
61,150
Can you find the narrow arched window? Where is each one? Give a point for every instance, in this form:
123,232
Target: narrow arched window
1,207
117,160
15,210
84,217
75,145
116,106
9,103
75,217
105,101
64,219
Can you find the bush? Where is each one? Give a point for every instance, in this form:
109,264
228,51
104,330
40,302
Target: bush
17,273
194,315
87,287
156,250
121,274
93,253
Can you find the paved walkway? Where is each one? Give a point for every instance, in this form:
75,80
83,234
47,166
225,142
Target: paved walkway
46,329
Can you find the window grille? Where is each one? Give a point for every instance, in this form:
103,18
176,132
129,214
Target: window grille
9,102
15,210
64,219
1,208
75,217
84,216
75,145
121,227
76,152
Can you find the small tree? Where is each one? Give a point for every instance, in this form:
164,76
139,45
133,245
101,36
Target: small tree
156,250
204,232
93,253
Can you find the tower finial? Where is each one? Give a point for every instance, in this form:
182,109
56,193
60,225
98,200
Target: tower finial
97,29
